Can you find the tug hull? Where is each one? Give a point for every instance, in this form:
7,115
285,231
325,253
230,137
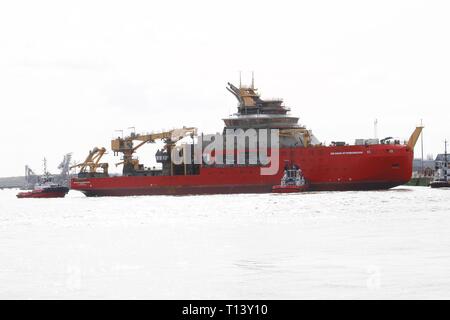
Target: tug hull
59,192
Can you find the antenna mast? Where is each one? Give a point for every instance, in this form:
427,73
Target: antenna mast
45,166
375,129
421,146
253,80
445,161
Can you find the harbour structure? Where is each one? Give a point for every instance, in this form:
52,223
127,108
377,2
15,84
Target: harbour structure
441,178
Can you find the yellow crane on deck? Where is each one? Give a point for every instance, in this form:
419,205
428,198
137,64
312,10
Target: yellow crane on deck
126,145
92,162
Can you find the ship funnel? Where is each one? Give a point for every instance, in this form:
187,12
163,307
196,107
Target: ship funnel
414,137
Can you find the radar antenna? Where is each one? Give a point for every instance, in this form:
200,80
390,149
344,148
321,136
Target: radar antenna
253,80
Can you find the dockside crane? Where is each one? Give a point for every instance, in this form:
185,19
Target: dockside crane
31,178
64,166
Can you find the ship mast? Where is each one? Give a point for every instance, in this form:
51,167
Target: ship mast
45,167
375,129
46,175
421,150
253,80
445,162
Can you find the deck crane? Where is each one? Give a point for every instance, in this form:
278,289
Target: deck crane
126,146
298,133
92,163
414,137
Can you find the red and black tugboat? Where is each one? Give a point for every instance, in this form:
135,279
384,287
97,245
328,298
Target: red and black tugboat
45,188
292,181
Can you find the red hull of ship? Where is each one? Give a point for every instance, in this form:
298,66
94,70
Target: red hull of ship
325,168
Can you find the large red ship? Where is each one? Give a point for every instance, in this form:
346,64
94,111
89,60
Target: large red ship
369,164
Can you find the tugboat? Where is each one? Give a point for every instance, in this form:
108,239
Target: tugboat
441,177
292,181
45,188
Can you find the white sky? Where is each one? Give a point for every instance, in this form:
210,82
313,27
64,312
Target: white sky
73,72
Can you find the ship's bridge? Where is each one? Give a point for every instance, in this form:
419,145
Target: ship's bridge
256,113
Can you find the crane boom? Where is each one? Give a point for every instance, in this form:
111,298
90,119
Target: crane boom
126,146
92,162
414,137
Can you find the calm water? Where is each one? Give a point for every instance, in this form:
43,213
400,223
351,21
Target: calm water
384,244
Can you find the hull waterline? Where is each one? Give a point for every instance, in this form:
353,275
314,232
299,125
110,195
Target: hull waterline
49,192
376,167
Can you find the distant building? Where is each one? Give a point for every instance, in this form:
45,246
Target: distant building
440,159
429,166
